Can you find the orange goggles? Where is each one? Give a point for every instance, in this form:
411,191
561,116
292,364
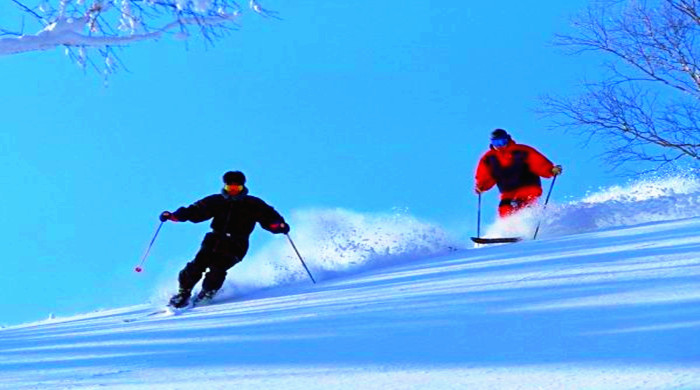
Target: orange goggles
233,188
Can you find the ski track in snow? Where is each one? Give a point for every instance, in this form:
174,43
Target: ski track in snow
608,300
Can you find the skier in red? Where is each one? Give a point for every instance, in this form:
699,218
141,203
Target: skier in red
516,170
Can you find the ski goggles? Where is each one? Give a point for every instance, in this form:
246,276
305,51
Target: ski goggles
499,142
233,189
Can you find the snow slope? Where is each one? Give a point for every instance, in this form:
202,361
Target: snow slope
609,298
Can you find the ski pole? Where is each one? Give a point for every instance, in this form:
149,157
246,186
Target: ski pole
545,206
148,250
478,219
300,258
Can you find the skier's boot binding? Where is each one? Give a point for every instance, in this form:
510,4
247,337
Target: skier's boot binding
181,299
204,297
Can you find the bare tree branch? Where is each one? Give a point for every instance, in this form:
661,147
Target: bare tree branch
646,108
27,9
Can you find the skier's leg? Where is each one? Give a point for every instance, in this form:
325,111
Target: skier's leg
506,208
188,277
218,268
524,202
192,273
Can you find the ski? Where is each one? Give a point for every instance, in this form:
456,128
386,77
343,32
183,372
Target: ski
503,240
165,312
147,315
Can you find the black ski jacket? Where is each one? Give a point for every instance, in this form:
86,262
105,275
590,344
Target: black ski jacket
234,218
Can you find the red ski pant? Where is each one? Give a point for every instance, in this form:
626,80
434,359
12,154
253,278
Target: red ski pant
510,206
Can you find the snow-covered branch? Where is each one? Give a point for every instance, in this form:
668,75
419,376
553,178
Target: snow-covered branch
101,24
72,32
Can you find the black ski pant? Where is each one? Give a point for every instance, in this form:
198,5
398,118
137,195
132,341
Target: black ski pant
218,254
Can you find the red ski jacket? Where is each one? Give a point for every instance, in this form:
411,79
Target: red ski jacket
516,170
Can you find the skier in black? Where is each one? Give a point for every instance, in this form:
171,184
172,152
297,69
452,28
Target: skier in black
234,214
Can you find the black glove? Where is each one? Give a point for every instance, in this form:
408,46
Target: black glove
279,227
167,216
557,170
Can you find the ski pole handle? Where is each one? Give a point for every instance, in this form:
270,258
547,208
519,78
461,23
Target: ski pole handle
300,258
139,267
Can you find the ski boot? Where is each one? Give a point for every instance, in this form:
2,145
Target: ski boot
181,299
204,297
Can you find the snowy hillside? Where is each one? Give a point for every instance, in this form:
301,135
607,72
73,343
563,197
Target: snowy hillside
609,298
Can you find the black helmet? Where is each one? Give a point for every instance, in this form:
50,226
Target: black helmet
234,177
500,134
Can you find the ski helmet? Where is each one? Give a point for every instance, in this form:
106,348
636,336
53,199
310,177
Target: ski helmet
500,134
234,177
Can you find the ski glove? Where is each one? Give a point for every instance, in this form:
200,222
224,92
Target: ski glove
279,227
557,170
167,216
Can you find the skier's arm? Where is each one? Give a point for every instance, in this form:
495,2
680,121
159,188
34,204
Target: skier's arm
199,211
539,164
270,219
484,180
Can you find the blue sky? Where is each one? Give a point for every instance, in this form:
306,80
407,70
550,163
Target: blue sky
369,106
